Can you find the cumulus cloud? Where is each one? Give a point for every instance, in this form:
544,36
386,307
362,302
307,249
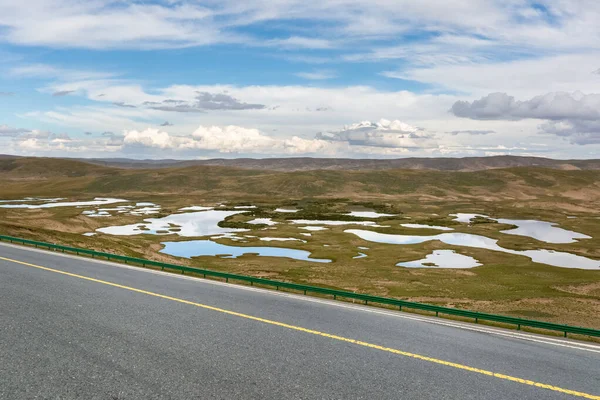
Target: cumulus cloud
393,134
166,123
553,106
203,102
227,139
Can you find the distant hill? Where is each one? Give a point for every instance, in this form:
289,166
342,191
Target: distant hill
564,183
349,164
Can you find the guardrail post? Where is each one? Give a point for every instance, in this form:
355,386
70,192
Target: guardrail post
518,327
400,308
226,279
437,313
334,296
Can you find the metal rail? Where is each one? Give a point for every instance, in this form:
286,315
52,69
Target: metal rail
401,304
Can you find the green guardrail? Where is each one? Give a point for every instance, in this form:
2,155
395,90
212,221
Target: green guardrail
401,304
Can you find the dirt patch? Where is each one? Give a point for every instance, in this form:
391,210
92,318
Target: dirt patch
588,289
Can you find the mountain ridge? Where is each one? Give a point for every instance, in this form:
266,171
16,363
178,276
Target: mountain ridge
348,164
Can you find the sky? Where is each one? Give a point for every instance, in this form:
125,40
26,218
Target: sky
197,79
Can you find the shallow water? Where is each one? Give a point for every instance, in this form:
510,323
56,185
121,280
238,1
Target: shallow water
369,214
196,208
442,259
333,223
145,210
32,199
200,223
360,255
96,213
545,231
195,248
263,221
286,210
548,232
96,202
466,218
423,226
554,258
278,239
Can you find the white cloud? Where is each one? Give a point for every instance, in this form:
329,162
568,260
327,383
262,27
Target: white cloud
317,75
53,72
393,134
523,77
227,139
298,42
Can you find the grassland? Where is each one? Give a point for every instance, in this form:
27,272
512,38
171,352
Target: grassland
506,284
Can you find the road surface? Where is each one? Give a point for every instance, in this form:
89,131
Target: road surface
73,328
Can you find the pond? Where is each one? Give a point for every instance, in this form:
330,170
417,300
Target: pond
200,223
52,204
369,214
423,226
263,221
336,223
548,232
550,257
196,248
442,259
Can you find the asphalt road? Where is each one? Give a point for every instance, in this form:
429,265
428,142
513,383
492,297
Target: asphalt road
72,328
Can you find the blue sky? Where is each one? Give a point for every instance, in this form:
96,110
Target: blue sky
328,78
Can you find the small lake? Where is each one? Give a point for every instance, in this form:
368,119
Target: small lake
263,221
200,223
548,232
423,226
369,214
442,259
98,201
196,248
336,223
549,257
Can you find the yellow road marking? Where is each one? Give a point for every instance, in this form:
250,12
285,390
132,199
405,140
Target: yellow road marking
323,334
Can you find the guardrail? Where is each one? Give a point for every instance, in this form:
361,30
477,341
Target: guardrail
401,304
